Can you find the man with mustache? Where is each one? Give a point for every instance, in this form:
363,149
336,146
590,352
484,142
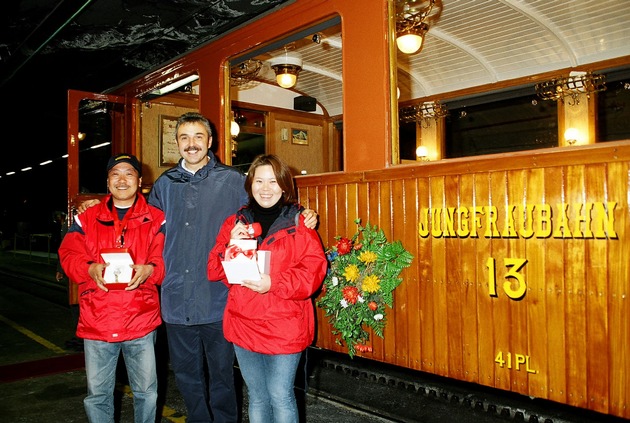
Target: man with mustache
197,196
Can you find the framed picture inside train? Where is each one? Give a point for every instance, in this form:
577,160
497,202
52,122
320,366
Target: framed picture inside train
299,136
169,153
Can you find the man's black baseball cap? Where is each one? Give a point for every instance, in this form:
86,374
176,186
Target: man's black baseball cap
125,158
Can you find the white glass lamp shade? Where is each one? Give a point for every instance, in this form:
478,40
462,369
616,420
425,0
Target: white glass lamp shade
572,136
409,43
286,79
235,129
410,40
287,66
421,152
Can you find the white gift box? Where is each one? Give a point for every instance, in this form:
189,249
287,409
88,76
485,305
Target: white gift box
119,270
242,267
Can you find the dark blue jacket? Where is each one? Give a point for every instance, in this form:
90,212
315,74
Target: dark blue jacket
195,206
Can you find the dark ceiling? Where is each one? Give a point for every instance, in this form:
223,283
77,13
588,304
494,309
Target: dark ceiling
96,44
48,47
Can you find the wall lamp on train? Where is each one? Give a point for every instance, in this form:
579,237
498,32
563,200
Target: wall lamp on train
422,154
413,18
573,86
235,129
287,67
423,113
572,136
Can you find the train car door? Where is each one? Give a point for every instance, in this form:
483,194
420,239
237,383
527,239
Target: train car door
97,128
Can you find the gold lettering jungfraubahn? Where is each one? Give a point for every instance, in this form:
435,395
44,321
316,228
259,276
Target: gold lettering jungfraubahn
565,220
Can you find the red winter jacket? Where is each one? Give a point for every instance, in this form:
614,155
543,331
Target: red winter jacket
281,321
117,315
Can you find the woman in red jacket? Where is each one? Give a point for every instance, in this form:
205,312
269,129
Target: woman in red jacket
271,321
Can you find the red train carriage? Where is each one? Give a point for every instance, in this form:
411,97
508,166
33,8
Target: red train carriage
515,207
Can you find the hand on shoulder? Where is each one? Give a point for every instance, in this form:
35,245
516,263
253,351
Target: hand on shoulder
87,204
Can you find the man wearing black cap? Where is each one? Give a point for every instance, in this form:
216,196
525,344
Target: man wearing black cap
119,312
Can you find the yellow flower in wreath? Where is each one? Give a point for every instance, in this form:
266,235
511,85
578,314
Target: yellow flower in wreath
371,284
368,257
351,273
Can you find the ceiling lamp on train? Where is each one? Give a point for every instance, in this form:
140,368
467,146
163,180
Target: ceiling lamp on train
287,67
422,113
574,86
412,22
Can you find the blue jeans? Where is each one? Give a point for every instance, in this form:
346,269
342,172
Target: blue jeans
101,359
269,379
212,401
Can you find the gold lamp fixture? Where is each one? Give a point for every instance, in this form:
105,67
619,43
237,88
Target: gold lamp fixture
245,72
287,67
412,22
576,84
421,113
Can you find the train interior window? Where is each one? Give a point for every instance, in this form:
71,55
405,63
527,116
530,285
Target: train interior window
512,124
250,141
295,86
495,123
407,140
614,108
96,132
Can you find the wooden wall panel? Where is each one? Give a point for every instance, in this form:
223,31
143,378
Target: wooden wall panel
408,236
618,307
486,320
470,297
596,290
521,274
149,125
576,297
537,306
402,293
301,157
557,292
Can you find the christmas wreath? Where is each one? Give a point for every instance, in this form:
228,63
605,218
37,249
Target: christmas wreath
364,271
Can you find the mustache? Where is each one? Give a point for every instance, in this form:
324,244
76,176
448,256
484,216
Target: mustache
188,149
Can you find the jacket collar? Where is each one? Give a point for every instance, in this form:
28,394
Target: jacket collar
201,173
288,218
106,214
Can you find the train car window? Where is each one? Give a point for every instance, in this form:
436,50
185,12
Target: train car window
250,140
613,106
97,139
270,111
513,124
407,140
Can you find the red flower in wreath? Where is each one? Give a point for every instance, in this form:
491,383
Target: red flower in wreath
351,294
363,348
344,246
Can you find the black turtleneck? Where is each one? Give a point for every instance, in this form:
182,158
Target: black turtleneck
265,216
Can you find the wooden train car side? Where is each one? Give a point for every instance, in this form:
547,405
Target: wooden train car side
521,276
